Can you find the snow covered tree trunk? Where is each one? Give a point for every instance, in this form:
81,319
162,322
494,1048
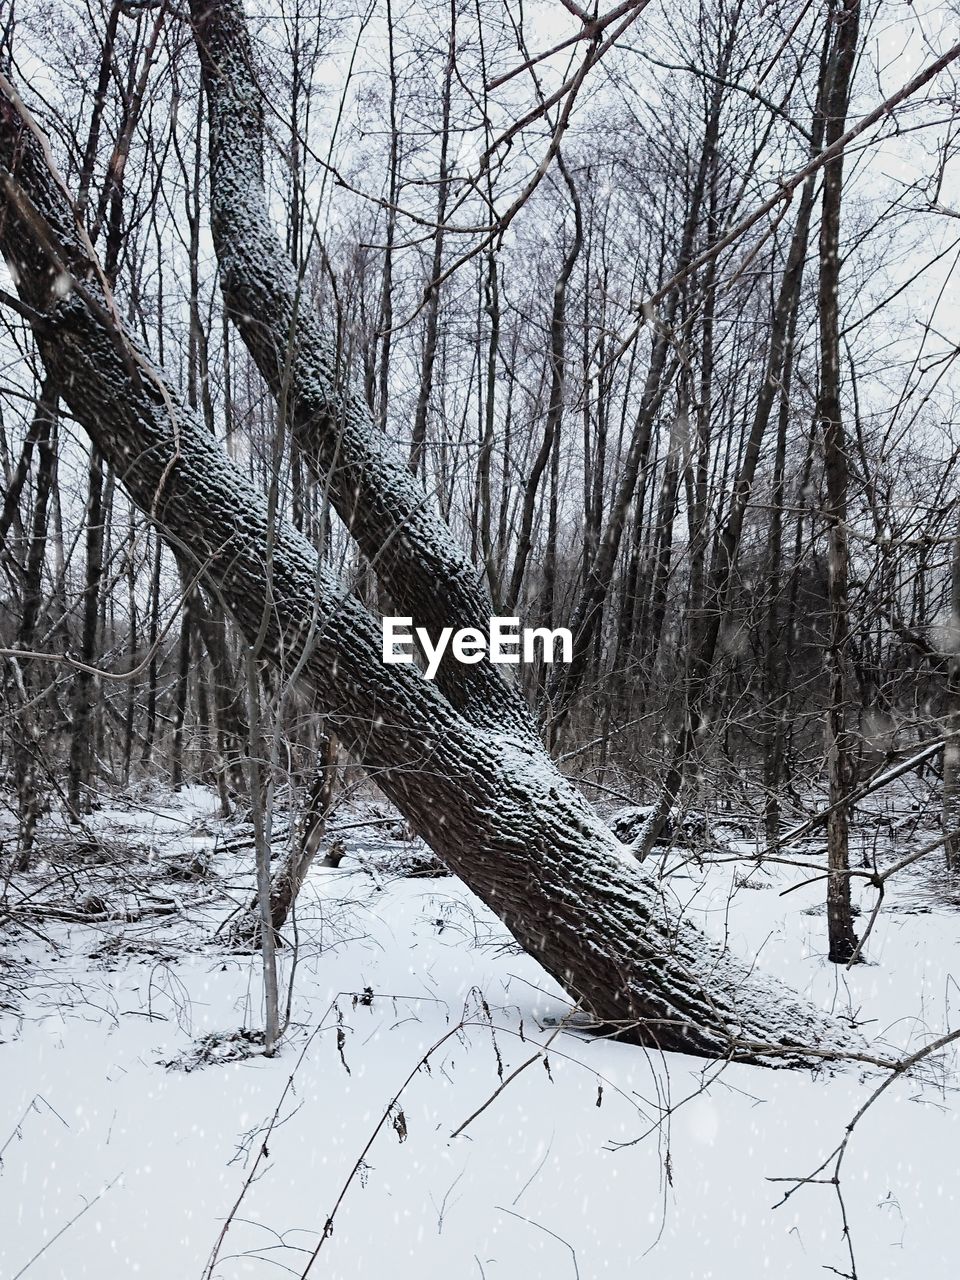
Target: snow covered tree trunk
839,738
386,509
950,797
488,801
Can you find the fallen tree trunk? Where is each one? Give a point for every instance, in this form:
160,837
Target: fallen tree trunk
490,803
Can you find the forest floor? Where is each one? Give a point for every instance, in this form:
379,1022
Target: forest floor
135,1103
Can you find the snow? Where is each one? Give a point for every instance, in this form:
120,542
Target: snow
670,1175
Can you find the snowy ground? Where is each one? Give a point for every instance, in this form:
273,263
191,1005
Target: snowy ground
596,1160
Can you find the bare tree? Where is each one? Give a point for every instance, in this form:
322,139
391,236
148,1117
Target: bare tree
842,939
470,777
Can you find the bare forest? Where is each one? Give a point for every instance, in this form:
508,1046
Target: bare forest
337,932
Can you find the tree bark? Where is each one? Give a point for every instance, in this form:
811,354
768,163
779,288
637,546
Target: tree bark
25,729
476,787
386,509
153,669
950,796
839,744
82,734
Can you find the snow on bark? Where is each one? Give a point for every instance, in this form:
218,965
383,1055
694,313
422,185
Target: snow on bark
385,507
492,805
